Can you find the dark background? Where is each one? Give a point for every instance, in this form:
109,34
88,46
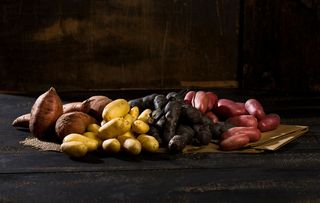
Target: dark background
111,44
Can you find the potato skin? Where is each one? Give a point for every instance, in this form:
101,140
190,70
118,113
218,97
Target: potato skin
255,108
44,113
116,108
200,101
114,128
132,146
212,100
252,133
189,97
269,122
227,108
74,149
111,145
234,142
22,121
243,121
148,143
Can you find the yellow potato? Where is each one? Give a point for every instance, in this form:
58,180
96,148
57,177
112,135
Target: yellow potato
90,143
132,146
140,127
116,108
103,122
74,148
134,112
149,143
111,145
94,136
145,116
114,128
125,136
129,118
93,128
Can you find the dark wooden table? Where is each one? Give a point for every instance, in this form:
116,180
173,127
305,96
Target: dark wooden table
291,174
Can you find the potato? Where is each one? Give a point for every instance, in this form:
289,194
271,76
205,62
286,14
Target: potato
125,136
145,116
97,104
103,122
76,106
148,143
44,113
140,127
189,97
212,100
129,118
234,142
269,122
212,117
200,101
111,145
227,108
73,122
74,149
255,108
22,121
93,127
93,135
252,133
132,146
90,143
243,121
134,112
116,108
114,128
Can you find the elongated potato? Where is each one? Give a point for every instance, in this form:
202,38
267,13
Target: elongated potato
212,117
227,108
189,97
269,122
90,143
73,122
111,145
255,108
44,113
134,112
116,108
212,100
200,101
243,121
114,128
145,116
93,127
22,121
74,149
252,133
132,146
148,143
140,127
125,136
93,135
234,142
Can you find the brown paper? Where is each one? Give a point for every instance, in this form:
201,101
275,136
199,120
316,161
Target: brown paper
269,141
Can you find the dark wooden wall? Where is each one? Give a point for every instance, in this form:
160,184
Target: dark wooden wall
107,44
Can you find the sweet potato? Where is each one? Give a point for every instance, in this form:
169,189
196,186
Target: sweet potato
77,106
255,108
243,121
96,105
22,121
44,113
269,122
227,108
73,122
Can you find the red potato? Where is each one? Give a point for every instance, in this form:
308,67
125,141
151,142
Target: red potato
252,133
22,121
212,116
212,100
73,122
227,108
200,101
189,97
255,108
234,142
243,121
269,122
44,113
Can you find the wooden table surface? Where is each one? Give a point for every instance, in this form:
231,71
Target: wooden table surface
290,174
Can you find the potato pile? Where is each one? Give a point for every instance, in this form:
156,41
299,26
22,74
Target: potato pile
170,121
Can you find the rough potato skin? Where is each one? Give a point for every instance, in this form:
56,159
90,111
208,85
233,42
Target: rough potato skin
44,113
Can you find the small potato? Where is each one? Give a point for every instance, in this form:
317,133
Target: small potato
212,100
243,121
149,143
90,143
234,142
103,122
114,128
132,146
227,108
94,136
115,109
111,145
200,101
134,112
252,133
129,118
212,117
93,127
125,136
255,108
74,148
145,116
189,97
140,127
269,122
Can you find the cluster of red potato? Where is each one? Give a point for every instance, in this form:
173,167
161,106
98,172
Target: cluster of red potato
249,118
